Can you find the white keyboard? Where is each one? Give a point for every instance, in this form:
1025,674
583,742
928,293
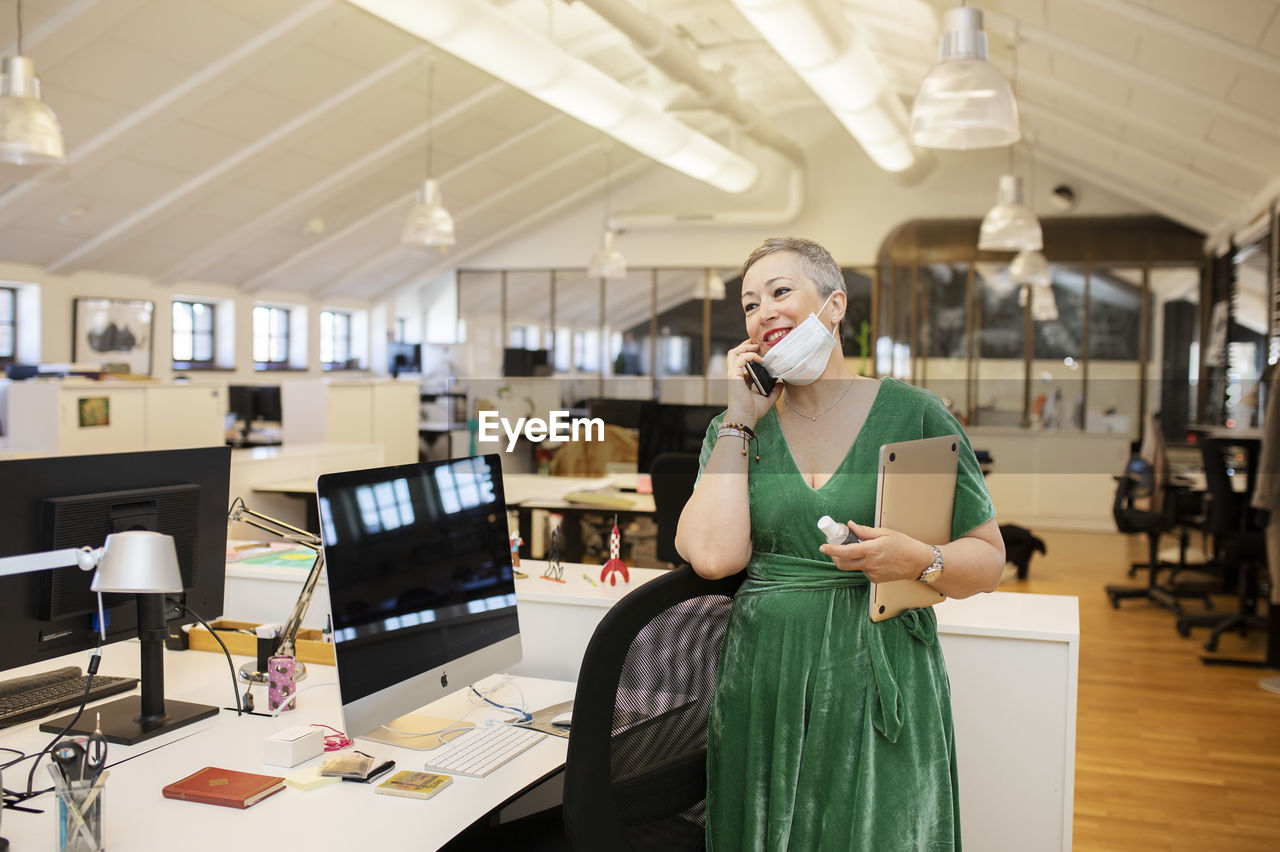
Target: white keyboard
481,750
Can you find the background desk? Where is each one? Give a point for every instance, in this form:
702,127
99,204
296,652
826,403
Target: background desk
340,816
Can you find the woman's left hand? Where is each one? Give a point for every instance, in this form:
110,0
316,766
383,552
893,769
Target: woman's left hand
883,555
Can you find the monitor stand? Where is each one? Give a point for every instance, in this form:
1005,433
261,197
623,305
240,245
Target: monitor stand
122,720
403,732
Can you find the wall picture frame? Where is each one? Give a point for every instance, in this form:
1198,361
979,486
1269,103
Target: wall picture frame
113,332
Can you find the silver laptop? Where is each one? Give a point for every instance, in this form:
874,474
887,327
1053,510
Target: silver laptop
915,495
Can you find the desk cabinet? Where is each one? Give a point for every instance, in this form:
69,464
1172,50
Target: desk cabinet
45,416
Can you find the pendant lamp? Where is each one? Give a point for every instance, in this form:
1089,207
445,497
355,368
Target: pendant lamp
1030,267
964,102
29,131
1010,225
607,262
429,223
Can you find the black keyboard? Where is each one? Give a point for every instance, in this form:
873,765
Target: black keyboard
25,698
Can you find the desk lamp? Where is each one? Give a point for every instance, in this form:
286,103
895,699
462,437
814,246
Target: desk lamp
145,564
239,512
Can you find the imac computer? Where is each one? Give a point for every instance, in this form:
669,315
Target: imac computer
420,587
77,501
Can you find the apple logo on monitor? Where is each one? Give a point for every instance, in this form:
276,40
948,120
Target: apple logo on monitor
444,679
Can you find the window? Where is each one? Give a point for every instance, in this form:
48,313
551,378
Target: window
8,324
193,332
335,340
270,338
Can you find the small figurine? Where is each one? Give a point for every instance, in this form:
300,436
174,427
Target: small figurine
554,570
615,563
516,541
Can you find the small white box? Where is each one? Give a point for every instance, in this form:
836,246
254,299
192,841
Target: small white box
291,746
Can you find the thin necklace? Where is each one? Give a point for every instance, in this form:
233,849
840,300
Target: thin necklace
787,400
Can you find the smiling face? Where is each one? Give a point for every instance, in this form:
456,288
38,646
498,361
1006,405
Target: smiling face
777,297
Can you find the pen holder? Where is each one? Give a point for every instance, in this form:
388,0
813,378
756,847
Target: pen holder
281,682
79,813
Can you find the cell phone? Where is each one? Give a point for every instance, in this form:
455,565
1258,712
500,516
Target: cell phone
759,379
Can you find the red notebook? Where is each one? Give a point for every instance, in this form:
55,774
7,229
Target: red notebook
226,787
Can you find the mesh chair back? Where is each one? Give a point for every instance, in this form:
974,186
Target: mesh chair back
673,476
635,775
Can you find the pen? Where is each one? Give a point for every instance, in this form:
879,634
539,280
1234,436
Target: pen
588,579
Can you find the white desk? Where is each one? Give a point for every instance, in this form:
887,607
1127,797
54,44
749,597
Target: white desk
1013,661
138,818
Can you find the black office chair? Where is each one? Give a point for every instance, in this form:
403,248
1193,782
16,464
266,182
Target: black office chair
1238,540
1136,483
635,775
673,476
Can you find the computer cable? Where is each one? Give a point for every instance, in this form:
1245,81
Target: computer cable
235,689
92,669
523,715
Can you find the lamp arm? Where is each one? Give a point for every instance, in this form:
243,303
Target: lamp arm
84,557
278,528
242,513
289,634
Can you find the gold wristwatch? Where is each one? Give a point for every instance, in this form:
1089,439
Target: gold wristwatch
934,569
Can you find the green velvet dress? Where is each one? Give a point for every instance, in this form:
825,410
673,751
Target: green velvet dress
829,731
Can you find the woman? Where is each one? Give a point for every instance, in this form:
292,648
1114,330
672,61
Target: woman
827,731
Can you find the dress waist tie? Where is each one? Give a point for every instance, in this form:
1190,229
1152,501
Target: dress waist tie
775,573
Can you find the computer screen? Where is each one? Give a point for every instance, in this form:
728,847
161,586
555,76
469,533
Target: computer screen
403,358
77,501
255,402
421,587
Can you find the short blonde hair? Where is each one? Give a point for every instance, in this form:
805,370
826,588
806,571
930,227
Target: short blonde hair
815,261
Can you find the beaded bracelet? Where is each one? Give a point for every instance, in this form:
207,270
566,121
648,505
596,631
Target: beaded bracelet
743,431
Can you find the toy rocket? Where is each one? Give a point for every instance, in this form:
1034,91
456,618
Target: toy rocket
615,564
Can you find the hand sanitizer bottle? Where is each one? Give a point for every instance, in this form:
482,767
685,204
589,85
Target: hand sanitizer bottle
836,532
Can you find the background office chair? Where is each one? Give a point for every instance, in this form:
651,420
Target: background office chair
673,476
635,775
1137,483
1238,541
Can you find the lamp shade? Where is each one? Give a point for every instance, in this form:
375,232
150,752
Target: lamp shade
138,562
429,224
29,131
1030,267
607,262
1010,225
1044,306
964,102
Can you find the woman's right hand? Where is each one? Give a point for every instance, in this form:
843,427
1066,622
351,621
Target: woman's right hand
745,405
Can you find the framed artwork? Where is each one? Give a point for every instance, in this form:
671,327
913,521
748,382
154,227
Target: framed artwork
94,411
113,331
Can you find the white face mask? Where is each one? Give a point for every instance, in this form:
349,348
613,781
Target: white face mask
803,354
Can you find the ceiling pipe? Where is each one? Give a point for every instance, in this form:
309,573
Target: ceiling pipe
659,45
664,49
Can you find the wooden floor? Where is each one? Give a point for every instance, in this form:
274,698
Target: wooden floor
1170,753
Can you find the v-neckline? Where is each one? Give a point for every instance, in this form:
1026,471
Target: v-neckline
795,466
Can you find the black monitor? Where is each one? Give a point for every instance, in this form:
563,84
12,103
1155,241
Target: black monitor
77,501
421,587
667,428
403,358
525,362
255,402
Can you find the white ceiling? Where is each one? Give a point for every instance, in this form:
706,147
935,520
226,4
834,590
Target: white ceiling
278,144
